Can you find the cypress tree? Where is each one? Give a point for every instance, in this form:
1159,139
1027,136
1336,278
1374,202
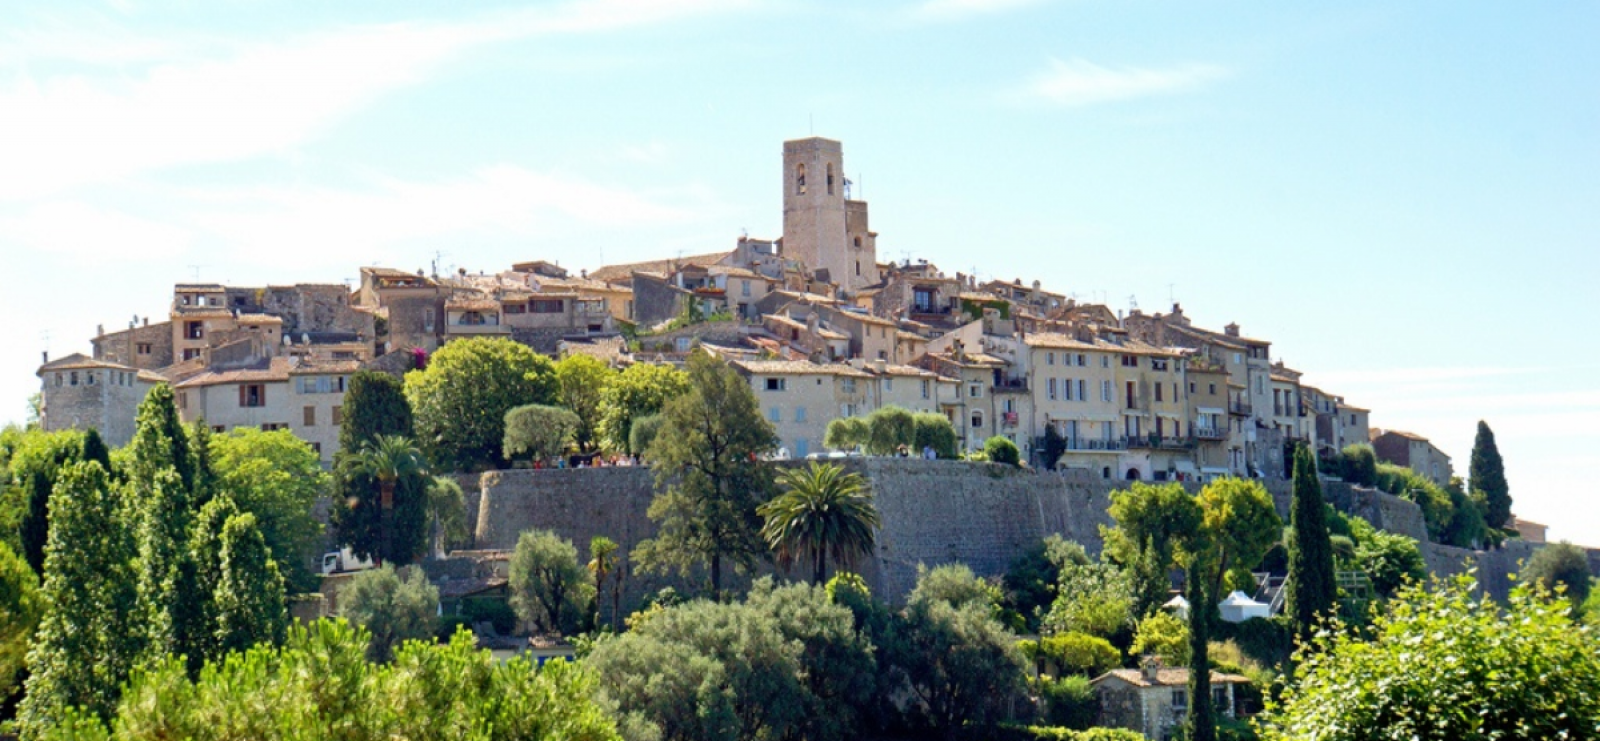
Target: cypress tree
205,548
88,640
1201,722
374,404
249,596
94,449
1312,584
36,467
1488,475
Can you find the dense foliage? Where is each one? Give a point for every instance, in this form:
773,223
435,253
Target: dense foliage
640,390
581,381
320,687
1447,665
1312,585
709,477
20,609
391,607
549,589
539,432
998,449
1487,472
460,400
277,477
1561,565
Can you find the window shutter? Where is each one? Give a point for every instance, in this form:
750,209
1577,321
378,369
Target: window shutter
241,394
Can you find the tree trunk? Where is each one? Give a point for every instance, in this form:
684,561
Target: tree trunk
716,576
821,567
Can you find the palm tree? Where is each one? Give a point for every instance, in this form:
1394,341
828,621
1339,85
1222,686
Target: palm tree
603,562
823,512
388,458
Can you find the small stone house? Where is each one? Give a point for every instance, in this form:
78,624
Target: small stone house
1154,700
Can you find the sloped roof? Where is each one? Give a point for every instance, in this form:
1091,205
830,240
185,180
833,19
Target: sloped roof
797,368
623,270
1167,677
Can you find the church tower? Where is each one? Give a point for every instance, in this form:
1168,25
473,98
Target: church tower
821,227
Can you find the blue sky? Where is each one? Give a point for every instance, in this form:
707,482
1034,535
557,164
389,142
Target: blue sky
1403,197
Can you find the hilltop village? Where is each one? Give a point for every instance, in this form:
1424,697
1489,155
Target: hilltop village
818,324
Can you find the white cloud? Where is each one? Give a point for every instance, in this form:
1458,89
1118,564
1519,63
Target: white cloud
1079,82
90,236
948,10
190,104
327,226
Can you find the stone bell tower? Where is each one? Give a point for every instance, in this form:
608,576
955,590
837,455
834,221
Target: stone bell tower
822,228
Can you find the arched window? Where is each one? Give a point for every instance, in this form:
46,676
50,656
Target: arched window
830,178
800,179
977,418
858,242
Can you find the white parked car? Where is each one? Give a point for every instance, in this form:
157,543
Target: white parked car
343,559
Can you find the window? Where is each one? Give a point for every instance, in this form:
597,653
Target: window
1180,699
802,448
1159,364
252,395
338,415
1105,361
310,414
775,414
1212,388
271,426
977,418
830,178
683,344
1052,388
1236,359
1158,391
1105,391
1191,387
858,267
1131,399
1130,361
800,179
1083,360
194,330
975,390
776,384
144,348
89,378
800,414
1049,358
219,429
858,243
547,306
925,388
1352,417
1083,394
427,319
849,385
744,288
317,448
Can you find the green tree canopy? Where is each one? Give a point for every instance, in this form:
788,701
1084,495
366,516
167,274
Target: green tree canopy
933,430
374,404
539,431
385,512
582,380
644,432
549,589
447,515
278,478
1163,635
709,476
889,429
90,635
391,606
1312,585
1487,472
822,512
21,606
35,464
846,433
1388,559
640,390
961,664
460,400
1446,665
1031,580
1561,564
320,687
1358,464
1001,450
249,593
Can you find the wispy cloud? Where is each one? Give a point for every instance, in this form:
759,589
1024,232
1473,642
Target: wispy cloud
950,10
1078,82
326,225
231,100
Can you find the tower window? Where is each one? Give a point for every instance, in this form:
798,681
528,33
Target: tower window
858,243
800,179
830,178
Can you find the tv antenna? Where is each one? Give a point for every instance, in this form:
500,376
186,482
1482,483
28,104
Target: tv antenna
196,270
1133,303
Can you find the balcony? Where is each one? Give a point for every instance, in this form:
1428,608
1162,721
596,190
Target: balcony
1153,442
1202,433
1083,444
1011,384
1240,408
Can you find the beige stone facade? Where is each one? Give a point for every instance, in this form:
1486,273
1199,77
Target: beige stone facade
822,228
80,393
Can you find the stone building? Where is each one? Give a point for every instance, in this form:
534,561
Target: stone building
1154,700
1414,452
142,345
79,392
800,398
822,228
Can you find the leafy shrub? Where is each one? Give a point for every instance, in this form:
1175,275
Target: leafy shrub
1080,653
1267,641
1069,702
1001,450
496,612
1162,634
391,606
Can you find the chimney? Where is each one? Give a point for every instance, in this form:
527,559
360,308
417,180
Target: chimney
147,321
880,365
99,330
1150,667
46,355
1232,330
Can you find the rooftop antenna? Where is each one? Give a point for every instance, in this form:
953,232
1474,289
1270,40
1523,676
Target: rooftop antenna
1133,303
1171,297
196,269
